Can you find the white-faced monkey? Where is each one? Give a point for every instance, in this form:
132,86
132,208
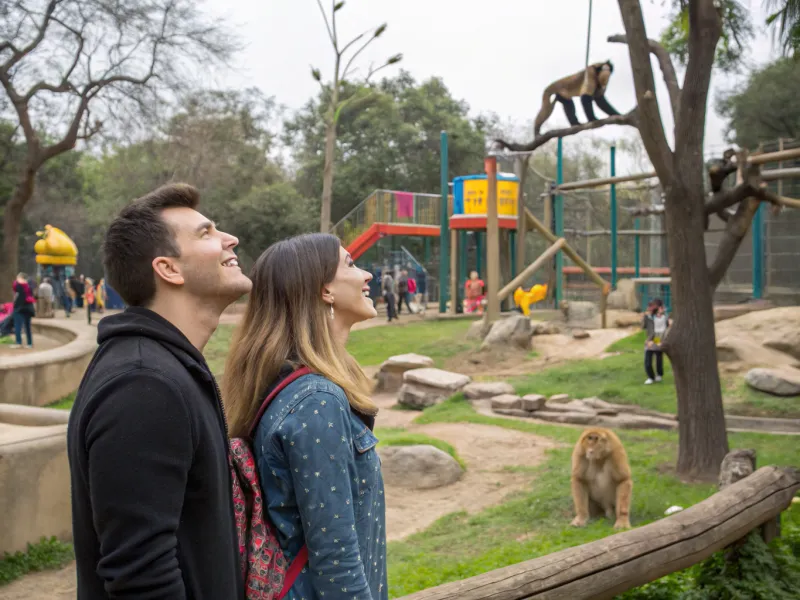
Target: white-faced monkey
589,83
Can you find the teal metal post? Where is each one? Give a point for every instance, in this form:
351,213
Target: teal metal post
636,244
558,209
758,252
462,258
613,219
512,242
444,236
479,245
427,252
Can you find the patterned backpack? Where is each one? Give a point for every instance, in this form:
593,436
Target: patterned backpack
261,559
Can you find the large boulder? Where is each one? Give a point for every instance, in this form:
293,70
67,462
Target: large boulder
513,332
533,402
390,375
487,389
624,297
425,387
418,467
546,328
778,382
578,311
788,343
478,330
506,401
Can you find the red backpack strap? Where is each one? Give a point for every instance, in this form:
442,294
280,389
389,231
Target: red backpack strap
293,571
296,374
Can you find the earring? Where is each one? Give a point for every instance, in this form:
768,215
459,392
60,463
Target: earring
331,309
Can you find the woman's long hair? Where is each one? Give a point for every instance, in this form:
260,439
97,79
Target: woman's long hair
286,321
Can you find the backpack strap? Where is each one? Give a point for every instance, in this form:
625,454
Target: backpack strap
294,570
297,374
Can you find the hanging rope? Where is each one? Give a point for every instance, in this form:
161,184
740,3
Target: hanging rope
588,34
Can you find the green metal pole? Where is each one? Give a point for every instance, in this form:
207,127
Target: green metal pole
479,244
444,236
558,210
427,252
758,252
613,219
462,258
636,244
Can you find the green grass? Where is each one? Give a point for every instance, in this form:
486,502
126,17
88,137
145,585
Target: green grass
65,403
536,522
47,554
6,340
438,339
216,350
620,379
393,436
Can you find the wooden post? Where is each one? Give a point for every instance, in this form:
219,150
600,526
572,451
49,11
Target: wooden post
521,166
492,242
453,271
531,269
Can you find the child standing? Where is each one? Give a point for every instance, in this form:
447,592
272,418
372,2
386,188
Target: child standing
656,322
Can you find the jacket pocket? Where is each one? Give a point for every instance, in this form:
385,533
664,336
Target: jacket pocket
368,471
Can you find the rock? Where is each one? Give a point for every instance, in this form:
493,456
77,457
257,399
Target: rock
577,311
437,378
418,467
514,331
726,352
788,343
580,334
533,402
478,330
779,382
597,404
420,397
624,297
487,389
390,375
572,406
506,401
514,412
546,328
628,320
559,398
577,418
627,421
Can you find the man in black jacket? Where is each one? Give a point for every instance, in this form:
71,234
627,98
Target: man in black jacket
147,440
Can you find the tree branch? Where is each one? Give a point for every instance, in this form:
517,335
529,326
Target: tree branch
650,124
18,55
626,119
327,25
647,210
667,69
355,55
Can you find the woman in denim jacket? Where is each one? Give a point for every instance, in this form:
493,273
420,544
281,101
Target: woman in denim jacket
314,445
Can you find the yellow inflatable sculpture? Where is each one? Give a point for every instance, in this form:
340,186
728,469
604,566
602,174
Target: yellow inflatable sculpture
55,247
524,299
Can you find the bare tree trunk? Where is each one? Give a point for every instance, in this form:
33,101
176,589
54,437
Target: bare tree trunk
12,220
691,344
327,177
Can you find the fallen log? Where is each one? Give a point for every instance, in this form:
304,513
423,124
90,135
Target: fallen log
605,568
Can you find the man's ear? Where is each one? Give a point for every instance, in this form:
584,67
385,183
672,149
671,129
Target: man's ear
168,270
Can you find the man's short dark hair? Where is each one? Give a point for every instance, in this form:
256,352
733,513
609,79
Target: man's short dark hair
138,235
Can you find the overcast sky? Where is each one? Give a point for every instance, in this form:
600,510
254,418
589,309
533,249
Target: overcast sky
497,55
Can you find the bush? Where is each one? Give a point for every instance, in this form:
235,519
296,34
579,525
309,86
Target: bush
47,554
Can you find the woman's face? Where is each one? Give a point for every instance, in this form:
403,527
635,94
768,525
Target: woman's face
350,291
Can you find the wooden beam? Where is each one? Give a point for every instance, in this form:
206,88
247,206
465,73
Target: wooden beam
768,157
492,243
778,174
610,566
593,183
534,223
531,269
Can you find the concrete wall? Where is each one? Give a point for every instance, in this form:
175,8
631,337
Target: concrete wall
40,378
34,477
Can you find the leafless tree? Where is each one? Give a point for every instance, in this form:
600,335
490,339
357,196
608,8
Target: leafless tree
70,67
690,343
344,66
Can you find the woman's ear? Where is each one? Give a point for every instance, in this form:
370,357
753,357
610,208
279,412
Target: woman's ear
327,295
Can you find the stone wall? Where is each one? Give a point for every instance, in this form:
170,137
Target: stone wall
34,476
40,378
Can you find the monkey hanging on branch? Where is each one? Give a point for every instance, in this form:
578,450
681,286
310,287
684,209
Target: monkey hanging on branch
589,83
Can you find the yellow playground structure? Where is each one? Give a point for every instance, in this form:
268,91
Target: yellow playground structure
524,300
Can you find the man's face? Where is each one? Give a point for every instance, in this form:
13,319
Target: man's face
207,261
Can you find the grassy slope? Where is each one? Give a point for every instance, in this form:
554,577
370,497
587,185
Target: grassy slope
536,522
621,378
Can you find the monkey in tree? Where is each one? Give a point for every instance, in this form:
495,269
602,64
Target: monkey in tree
589,83
601,478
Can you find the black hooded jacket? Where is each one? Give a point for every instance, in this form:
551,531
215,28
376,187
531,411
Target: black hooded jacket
152,507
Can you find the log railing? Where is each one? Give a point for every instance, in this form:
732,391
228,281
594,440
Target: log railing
610,566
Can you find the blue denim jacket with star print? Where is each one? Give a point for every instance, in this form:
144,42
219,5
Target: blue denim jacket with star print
321,476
